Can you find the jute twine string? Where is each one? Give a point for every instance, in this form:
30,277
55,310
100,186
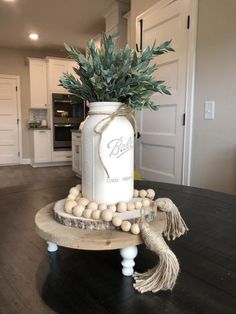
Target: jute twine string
164,275
101,126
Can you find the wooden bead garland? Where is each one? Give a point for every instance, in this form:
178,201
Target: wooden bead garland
80,206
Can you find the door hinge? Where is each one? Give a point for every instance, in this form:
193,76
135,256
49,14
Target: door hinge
17,121
16,88
188,22
18,154
183,119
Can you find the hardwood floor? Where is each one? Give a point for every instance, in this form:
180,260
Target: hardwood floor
74,281
23,255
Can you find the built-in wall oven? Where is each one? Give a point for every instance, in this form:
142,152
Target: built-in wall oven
67,116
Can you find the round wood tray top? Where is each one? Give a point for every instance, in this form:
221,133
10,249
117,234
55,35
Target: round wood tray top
70,220
50,230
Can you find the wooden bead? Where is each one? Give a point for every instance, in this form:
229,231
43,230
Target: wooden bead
71,197
83,201
102,206
92,205
138,204
87,213
79,187
106,215
78,210
78,198
150,193
146,202
130,206
136,193
142,193
74,191
96,214
125,226
117,221
135,229
112,207
69,204
121,207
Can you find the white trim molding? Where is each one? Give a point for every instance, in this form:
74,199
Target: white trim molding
188,131
25,161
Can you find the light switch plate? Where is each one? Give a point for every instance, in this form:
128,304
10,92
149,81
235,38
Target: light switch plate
209,113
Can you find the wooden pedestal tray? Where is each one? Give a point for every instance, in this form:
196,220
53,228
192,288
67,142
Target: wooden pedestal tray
57,234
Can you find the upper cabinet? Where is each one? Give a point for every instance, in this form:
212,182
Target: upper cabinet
38,83
116,22
55,69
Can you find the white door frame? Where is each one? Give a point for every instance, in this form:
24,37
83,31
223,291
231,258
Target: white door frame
192,39
19,128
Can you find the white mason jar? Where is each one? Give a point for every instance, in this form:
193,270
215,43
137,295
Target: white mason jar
108,156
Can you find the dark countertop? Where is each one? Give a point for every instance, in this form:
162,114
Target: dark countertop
40,128
76,131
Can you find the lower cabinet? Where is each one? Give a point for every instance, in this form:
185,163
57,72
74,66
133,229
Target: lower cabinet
76,152
61,156
41,146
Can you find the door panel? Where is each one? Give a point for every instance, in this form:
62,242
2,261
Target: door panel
160,148
8,122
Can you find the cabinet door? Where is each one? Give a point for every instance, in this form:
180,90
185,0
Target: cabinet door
76,153
38,83
42,146
56,68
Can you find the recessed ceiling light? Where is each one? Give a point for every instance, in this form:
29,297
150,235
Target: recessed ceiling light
34,36
9,0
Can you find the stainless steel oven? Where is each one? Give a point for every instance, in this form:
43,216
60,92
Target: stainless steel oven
62,135
68,113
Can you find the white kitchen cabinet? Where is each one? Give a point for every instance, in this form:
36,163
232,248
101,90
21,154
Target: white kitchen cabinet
115,22
40,146
38,83
76,152
55,69
62,156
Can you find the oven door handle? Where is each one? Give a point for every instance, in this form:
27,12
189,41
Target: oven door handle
63,125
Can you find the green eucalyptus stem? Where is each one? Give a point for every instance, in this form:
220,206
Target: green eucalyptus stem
110,75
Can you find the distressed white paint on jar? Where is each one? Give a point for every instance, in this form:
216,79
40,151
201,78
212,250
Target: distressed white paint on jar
117,154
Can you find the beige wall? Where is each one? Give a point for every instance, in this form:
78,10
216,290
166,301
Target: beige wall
214,141
13,62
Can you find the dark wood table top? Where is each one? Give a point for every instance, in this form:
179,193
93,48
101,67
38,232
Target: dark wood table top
91,282
77,281
207,254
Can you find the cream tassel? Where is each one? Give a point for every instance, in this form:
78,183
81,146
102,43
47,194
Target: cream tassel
164,275
175,223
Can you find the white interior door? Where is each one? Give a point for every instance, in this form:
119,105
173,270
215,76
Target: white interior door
8,122
160,148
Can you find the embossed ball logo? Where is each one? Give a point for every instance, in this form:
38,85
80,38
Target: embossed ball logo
119,146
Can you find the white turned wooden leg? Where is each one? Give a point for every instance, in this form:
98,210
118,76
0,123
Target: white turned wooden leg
52,247
128,254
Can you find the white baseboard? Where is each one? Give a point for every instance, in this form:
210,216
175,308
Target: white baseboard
25,161
51,164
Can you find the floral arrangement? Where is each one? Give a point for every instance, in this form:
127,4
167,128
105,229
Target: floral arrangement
111,75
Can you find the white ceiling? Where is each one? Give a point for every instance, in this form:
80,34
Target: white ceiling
56,22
